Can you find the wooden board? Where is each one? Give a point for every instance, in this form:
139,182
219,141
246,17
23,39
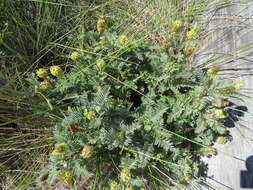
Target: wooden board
231,27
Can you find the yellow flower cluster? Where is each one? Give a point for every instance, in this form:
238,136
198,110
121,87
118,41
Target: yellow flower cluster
74,56
190,48
220,114
125,175
123,40
66,176
42,73
60,149
221,140
176,26
210,150
101,25
90,115
87,152
212,72
114,185
103,41
236,86
165,44
122,133
220,102
193,34
44,85
56,71
100,64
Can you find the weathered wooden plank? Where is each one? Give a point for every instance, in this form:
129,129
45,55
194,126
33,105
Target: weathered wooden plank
231,27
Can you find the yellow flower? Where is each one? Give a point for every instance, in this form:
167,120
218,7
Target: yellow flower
209,150
238,85
165,44
220,114
60,149
122,133
87,152
212,151
74,56
123,40
222,102
176,26
44,85
90,115
66,176
212,72
100,64
193,34
103,41
221,140
56,71
125,175
42,73
101,25
189,48
114,185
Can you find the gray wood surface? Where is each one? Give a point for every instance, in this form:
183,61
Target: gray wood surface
231,27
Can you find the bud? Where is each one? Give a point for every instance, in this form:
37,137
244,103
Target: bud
56,71
221,140
100,64
44,85
176,26
123,74
212,72
101,25
74,56
125,175
66,176
165,44
193,34
122,133
42,73
87,152
189,48
220,114
123,40
60,149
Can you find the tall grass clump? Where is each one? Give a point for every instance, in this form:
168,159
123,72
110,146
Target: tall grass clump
106,95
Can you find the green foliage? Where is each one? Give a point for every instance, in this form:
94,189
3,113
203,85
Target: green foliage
129,114
128,106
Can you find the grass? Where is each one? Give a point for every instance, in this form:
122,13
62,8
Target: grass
42,33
